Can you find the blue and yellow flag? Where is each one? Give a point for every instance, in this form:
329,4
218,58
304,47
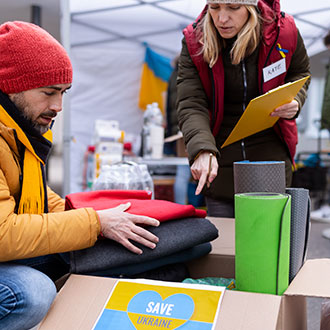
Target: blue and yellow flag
154,81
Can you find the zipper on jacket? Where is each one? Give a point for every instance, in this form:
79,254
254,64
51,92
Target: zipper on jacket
244,103
19,161
213,98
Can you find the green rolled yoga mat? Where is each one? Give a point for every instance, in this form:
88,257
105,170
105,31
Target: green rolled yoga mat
262,238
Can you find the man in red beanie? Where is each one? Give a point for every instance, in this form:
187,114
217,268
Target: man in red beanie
35,72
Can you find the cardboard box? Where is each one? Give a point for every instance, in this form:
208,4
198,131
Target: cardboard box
82,298
221,261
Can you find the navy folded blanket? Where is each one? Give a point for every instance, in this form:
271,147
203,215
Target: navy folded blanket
174,236
186,255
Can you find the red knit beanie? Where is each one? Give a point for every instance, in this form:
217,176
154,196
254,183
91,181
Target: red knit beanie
31,58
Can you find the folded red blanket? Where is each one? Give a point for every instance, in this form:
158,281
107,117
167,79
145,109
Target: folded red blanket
141,204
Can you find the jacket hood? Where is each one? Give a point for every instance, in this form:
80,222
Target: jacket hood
270,10
274,5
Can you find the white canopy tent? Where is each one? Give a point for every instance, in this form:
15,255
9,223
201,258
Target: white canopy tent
146,20
107,48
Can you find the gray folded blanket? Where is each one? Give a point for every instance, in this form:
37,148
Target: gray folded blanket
174,236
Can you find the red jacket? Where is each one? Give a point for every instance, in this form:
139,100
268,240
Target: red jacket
282,30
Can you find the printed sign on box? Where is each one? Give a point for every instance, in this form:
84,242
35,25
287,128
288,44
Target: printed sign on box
153,305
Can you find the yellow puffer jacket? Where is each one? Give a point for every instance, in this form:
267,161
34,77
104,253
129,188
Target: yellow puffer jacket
31,235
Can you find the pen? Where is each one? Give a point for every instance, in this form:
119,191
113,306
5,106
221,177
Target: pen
209,172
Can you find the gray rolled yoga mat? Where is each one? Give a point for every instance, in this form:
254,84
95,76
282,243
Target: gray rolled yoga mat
259,177
300,227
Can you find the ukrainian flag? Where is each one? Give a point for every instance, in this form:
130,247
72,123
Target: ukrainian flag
154,81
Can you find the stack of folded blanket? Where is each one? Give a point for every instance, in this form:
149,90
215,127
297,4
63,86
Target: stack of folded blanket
184,234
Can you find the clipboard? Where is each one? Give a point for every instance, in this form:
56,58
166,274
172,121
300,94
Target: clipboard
256,116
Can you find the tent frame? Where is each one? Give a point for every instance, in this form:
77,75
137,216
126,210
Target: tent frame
77,18
118,36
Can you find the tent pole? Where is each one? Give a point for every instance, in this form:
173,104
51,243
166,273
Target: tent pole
315,11
102,10
323,27
65,39
36,15
117,36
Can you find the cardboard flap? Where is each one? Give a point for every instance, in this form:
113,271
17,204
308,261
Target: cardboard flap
245,310
225,243
312,280
82,298
79,303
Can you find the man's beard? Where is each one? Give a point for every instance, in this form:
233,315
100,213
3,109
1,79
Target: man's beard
23,107
42,129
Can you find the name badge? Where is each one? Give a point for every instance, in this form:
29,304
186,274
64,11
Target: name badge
274,70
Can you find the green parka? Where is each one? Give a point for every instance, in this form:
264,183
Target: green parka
194,119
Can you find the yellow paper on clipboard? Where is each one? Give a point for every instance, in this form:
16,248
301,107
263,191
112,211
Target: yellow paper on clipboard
256,116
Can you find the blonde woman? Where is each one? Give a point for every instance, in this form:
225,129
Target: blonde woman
228,57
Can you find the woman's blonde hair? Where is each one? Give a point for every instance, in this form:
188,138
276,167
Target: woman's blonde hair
247,39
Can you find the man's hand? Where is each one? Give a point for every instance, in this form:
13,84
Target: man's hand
204,169
286,111
121,227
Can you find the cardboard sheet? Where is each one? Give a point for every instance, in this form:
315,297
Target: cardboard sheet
256,116
147,304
